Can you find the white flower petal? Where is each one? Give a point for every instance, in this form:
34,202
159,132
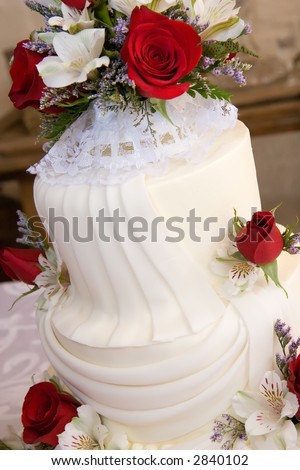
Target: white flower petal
55,73
228,33
126,6
221,268
291,405
246,403
262,422
284,438
84,432
66,46
88,419
47,37
116,441
94,64
75,439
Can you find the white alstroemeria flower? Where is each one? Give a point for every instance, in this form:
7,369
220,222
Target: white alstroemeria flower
126,6
266,412
241,275
86,432
77,56
284,438
220,16
54,277
73,20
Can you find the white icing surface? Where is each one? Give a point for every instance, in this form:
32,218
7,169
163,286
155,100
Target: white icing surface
142,334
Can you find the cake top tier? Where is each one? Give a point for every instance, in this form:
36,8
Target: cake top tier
125,55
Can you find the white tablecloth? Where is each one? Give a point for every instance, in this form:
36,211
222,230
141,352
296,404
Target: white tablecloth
21,353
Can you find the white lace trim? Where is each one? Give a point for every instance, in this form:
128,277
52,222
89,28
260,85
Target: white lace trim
110,148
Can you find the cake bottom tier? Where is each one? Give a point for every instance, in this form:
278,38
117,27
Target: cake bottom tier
167,394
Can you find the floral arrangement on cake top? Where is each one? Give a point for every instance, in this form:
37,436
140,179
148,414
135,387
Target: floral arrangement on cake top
124,54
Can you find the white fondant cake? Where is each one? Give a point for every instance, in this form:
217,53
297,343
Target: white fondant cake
142,334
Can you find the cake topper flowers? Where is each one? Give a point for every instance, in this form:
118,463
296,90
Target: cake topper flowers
124,54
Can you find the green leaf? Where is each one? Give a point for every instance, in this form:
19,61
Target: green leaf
160,106
270,270
239,256
53,126
101,12
205,89
34,288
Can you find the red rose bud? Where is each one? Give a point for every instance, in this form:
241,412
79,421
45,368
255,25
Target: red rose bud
260,241
293,381
20,264
78,4
45,413
159,52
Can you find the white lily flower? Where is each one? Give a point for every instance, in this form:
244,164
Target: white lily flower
87,432
241,275
266,411
220,16
77,56
126,6
284,438
53,278
72,20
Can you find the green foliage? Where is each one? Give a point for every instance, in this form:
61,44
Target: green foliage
270,270
53,126
220,49
206,89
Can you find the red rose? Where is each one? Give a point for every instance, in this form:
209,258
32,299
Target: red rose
260,241
20,264
27,85
78,4
293,381
159,52
45,413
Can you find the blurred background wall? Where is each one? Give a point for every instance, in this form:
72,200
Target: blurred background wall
276,38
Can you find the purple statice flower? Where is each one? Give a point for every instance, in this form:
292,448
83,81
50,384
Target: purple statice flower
286,341
239,77
230,429
46,12
39,46
233,68
120,30
293,245
206,62
248,28
200,27
282,332
30,236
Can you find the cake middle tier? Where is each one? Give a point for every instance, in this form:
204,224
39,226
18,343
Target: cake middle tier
138,253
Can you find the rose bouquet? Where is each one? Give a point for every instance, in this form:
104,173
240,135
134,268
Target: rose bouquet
124,54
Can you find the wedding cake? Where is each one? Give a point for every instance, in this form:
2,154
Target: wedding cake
156,313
